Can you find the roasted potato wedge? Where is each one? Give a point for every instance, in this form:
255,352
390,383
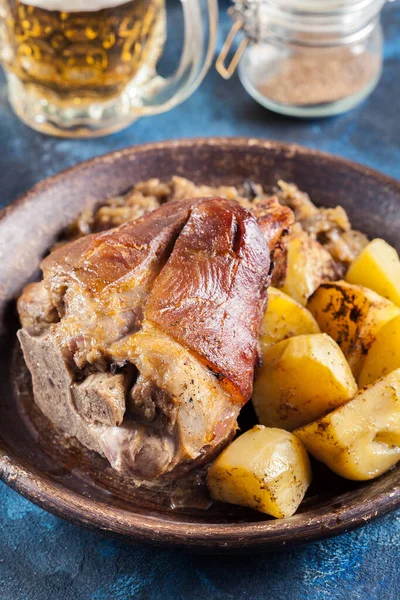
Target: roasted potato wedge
308,264
301,379
284,318
361,439
384,355
378,268
265,469
352,315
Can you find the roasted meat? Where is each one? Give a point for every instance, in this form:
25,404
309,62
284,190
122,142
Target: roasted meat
100,283
35,307
153,352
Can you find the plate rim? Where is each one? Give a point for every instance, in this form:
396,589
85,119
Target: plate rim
272,533
123,523
289,148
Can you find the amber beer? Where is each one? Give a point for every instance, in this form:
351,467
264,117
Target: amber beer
92,48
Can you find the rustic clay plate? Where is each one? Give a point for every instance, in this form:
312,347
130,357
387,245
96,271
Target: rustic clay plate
78,485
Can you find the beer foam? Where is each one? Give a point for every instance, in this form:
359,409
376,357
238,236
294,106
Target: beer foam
69,6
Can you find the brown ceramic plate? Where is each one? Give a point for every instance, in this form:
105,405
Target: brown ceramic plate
79,486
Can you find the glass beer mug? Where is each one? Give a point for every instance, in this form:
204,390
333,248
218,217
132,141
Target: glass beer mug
80,68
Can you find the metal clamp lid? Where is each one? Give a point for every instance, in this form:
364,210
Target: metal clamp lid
244,15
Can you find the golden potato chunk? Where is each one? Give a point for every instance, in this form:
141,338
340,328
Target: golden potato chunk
361,439
308,264
284,318
378,268
301,379
265,469
384,355
352,315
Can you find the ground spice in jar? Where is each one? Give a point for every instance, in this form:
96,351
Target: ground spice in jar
328,75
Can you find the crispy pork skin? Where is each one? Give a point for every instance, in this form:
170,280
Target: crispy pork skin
176,297
100,283
211,294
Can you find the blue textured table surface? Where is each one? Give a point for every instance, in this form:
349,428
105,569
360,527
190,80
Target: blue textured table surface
41,556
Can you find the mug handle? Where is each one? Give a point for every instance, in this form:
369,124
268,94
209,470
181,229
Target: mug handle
162,94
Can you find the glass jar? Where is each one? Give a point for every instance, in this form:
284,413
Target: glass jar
306,58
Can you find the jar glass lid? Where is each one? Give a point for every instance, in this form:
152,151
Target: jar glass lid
263,18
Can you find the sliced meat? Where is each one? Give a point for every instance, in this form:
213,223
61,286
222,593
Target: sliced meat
100,398
52,378
150,404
